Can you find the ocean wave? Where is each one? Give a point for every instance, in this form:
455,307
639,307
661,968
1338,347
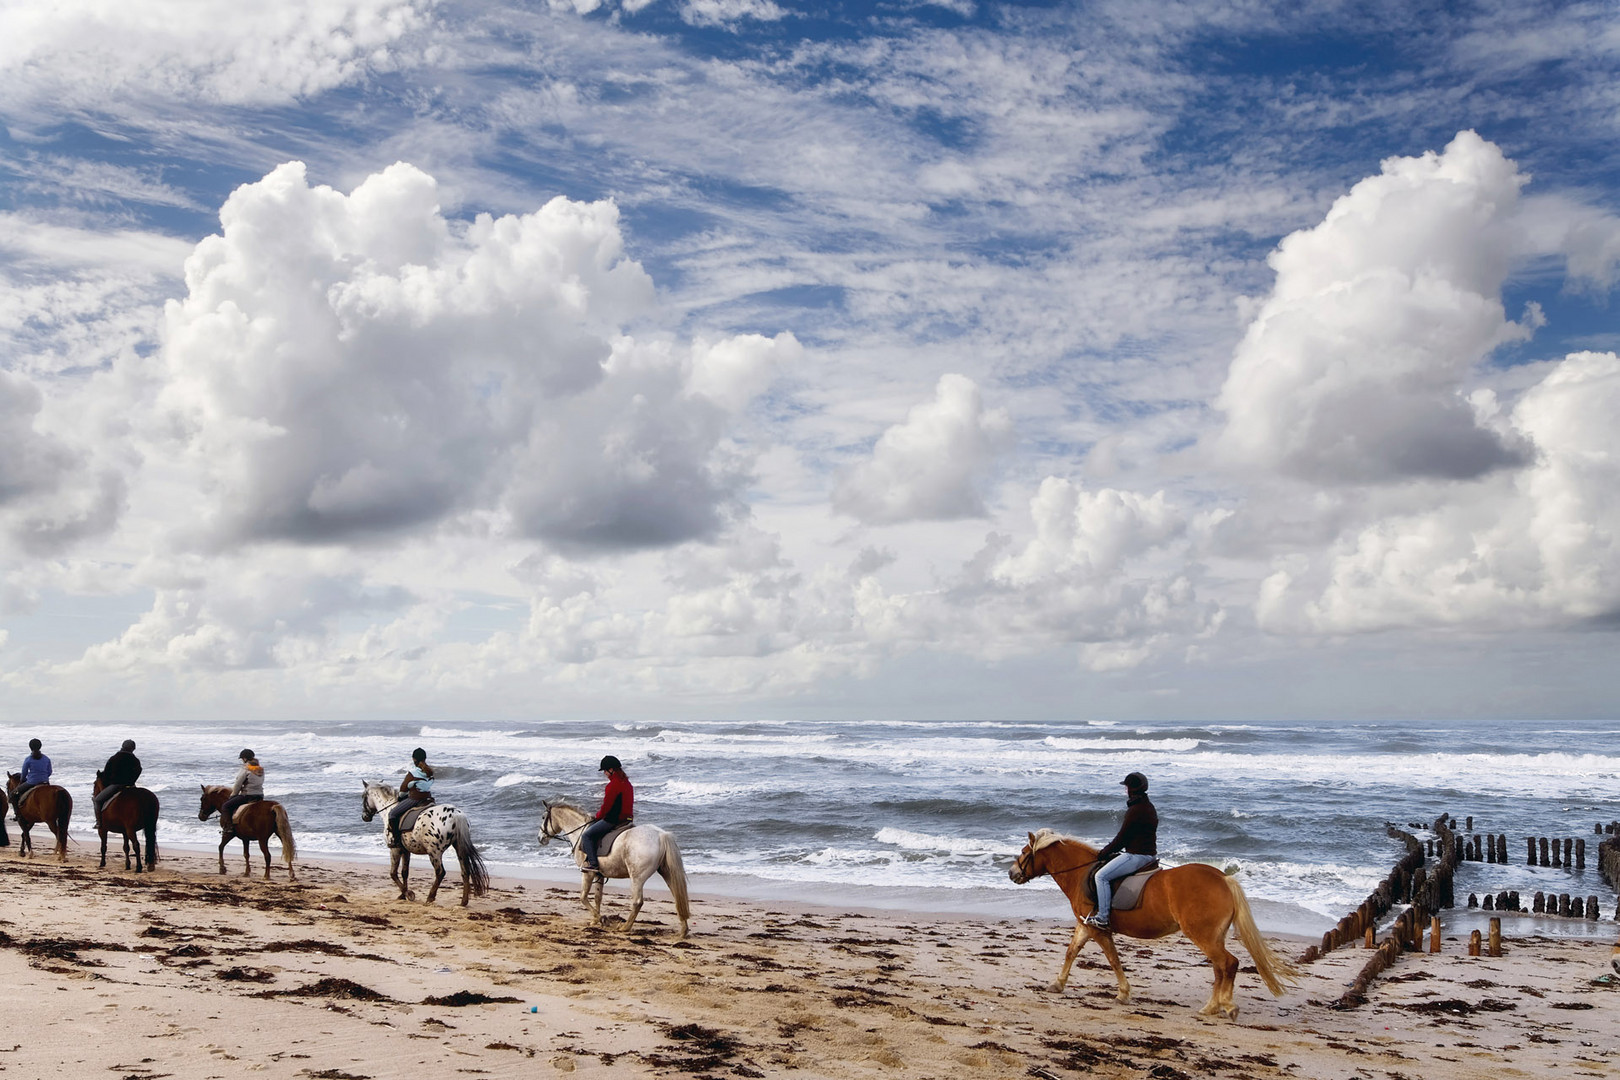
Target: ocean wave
1170,745
694,792
956,845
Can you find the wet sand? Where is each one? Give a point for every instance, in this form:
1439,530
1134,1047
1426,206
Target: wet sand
185,973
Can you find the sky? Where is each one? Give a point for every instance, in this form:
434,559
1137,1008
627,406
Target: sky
741,359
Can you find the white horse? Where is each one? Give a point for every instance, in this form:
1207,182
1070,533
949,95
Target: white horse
437,828
638,853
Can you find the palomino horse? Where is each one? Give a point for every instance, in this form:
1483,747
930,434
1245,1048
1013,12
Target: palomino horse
131,812
254,821
49,805
1196,899
437,828
637,854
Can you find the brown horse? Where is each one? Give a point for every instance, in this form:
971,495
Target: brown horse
130,812
5,805
1196,899
49,805
254,821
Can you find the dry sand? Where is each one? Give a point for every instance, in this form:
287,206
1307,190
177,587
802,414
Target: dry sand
183,973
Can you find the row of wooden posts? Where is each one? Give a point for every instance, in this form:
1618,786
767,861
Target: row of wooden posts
1428,892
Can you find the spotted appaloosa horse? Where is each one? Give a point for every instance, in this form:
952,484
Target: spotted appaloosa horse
131,813
438,827
254,821
47,804
1197,899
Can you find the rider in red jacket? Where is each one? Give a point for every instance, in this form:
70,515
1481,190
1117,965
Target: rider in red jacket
618,807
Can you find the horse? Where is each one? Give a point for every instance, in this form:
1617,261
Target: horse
638,853
437,828
130,812
1202,902
5,805
254,821
48,804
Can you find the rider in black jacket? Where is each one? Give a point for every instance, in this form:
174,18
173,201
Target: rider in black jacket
121,771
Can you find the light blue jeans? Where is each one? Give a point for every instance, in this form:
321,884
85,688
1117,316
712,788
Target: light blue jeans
1122,865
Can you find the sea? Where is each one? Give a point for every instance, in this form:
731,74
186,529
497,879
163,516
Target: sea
922,816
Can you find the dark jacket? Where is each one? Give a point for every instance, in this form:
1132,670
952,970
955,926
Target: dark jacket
1138,833
122,768
618,801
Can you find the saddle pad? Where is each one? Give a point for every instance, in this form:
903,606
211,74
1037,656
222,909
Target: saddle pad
1127,891
407,821
606,844
238,811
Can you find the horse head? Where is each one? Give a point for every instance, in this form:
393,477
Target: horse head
555,823
13,782
95,789
375,798
209,804
1034,860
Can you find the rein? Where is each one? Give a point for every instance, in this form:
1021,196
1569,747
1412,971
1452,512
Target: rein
564,835
1064,870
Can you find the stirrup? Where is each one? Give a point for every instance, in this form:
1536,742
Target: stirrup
1098,922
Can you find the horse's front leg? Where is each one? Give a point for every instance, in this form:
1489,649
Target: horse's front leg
405,876
593,897
103,865
224,842
437,859
1107,943
1077,941
26,847
393,864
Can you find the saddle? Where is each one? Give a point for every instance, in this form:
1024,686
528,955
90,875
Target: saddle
1127,890
407,820
605,845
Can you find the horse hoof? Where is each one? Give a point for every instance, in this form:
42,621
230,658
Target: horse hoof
1054,988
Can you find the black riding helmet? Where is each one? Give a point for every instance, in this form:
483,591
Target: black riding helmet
129,746
1134,782
419,754
246,755
35,744
609,762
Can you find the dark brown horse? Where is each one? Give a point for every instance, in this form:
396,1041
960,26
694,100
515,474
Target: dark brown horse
49,805
254,821
1197,899
131,812
5,805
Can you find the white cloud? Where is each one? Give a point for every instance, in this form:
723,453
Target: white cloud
358,366
1538,547
92,53
1354,367
724,12
932,466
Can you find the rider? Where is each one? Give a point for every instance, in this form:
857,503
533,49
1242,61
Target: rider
618,806
36,770
121,771
249,788
417,790
1136,846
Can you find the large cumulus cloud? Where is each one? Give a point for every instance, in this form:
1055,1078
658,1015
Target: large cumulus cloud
1352,369
356,366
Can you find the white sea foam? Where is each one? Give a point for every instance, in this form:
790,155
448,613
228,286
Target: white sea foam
698,793
1168,745
956,845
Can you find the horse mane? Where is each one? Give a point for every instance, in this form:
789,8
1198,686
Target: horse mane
1047,837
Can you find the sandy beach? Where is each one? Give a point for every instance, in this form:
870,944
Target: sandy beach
185,973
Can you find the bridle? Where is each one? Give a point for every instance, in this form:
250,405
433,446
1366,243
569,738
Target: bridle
1028,871
547,835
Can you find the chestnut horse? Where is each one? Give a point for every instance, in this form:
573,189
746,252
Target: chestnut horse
129,813
1197,899
49,805
254,821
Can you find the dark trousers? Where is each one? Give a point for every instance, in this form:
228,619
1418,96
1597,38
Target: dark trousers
106,795
398,810
592,836
228,811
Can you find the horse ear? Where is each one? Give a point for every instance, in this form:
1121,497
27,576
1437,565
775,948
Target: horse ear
204,787
1032,839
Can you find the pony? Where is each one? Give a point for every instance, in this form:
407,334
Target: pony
437,828
130,812
1202,902
637,854
50,805
254,821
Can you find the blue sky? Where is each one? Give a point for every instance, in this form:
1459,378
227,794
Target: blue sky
1081,359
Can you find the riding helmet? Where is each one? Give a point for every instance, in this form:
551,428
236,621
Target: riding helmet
609,762
419,754
34,744
247,755
1135,782
129,746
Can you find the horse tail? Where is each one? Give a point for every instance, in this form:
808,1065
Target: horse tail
1272,968
472,863
673,871
5,837
64,811
284,831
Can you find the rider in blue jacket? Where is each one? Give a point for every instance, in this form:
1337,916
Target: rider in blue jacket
36,770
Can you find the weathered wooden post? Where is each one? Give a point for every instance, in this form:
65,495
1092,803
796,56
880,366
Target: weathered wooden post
1569,851
1502,901
1489,903
1544,861
1501,848
1473,900
1513,901
1580,854
1470,826
1591,907
1473,943
1563,904
1555,853
1370,940
1541,903
1496,937
1531,841
1434,933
